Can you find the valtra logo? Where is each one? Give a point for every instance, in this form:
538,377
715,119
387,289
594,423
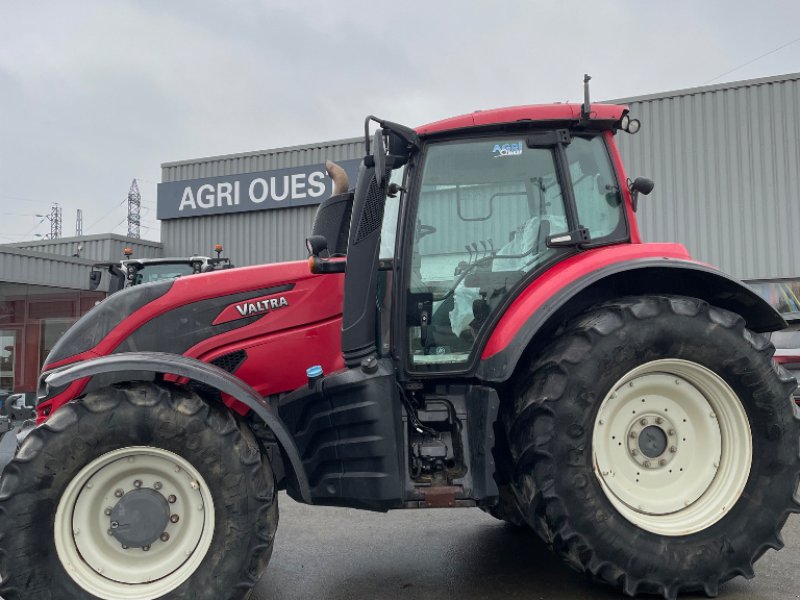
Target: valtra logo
247,309
253,307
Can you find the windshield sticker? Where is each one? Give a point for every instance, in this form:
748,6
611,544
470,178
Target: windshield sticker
500,150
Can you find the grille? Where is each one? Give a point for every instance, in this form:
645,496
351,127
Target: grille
227,362
372,217
231,361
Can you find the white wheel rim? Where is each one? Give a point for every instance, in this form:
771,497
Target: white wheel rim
690,467
97,561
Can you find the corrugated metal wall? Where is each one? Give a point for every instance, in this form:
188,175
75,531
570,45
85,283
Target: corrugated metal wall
254,237
726,163
99,248
41,268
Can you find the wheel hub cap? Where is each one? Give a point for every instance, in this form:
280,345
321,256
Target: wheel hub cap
653,441
139,518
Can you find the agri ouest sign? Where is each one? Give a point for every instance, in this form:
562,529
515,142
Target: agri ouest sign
264,190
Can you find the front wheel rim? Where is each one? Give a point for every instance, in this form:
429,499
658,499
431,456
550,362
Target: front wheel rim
672,447
89,542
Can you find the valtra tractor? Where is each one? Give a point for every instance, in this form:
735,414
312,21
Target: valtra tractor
479,324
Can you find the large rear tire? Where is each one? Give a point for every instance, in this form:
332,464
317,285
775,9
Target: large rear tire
136,492
655,445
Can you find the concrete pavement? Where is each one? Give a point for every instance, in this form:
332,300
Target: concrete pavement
458,554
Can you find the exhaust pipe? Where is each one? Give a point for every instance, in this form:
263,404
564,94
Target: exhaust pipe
341,182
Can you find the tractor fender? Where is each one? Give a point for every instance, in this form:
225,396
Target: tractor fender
531,319
182,366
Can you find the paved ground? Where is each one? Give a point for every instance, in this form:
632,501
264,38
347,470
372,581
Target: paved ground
464,554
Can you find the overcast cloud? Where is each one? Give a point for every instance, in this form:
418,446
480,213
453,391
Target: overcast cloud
95,93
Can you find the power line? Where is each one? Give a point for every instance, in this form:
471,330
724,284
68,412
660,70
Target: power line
107,214
754,60
34,228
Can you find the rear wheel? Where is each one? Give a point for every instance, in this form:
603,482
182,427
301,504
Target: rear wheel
136,493
654,446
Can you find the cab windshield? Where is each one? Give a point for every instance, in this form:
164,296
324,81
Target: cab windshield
150,273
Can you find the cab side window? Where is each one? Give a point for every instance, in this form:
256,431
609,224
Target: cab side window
597,193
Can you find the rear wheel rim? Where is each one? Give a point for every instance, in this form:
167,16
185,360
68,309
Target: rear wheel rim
672,447
90,543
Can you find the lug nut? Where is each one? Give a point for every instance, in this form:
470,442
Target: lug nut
114,524
671,432
634,452
145,548
157,485
659,420
119,493
673,449
107,512
137,483
174,519
643,422
164,537
633,435
662,462
647,464
110,532
172,499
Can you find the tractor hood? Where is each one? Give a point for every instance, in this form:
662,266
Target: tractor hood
197,314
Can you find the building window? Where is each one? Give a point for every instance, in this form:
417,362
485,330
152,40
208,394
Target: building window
49,332
8,348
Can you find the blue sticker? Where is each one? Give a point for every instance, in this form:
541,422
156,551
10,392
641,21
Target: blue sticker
514,149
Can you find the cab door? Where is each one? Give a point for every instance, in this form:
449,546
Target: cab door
477,231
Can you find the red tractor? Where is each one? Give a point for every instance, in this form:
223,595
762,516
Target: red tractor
478,325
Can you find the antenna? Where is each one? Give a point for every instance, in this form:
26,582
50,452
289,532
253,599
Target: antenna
79,223
55,221
134,210
586,107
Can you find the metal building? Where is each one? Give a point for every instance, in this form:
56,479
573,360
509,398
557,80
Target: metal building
44,289
92,248
726,163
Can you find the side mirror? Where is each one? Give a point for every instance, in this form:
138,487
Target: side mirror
316,245
94,279
640,185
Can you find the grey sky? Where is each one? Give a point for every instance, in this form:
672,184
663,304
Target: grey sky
94,93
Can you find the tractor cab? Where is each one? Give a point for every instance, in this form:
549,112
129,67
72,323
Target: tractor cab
136,271
462,220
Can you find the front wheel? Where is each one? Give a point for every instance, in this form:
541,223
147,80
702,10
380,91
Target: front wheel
136,493
655,445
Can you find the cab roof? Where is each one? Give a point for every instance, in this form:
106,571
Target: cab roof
531,112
